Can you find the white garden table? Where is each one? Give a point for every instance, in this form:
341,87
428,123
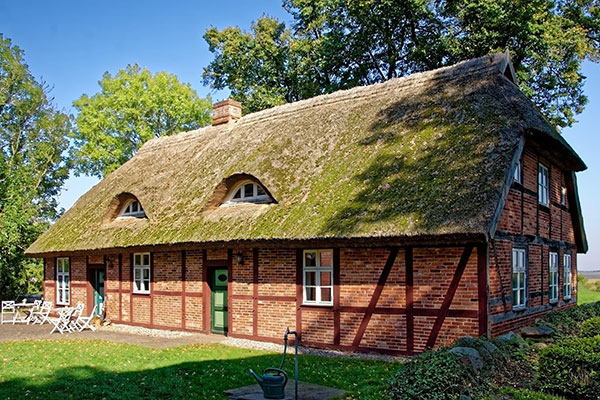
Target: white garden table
23,311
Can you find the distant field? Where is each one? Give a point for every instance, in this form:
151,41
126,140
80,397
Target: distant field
590,274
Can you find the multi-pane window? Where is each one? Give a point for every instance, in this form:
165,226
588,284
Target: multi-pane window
133,209
519,278
517,176
553,278
318,277
141,273
63,292
567,288
248,192
543,195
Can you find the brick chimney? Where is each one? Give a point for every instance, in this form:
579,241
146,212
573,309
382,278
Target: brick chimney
225,111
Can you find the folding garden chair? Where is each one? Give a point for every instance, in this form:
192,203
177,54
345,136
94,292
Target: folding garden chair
36,306
61,324
41,315
8,307
85,322
77,311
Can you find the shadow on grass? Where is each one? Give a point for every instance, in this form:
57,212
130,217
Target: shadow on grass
192,380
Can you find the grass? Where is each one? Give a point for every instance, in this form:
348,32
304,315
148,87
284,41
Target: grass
585,295
588,290
94,369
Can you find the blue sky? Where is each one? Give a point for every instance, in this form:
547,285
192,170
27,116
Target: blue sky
70,44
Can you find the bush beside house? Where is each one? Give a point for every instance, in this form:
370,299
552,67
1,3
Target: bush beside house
505,367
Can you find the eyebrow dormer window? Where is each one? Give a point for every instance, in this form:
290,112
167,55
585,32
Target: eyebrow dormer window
247,192
133,209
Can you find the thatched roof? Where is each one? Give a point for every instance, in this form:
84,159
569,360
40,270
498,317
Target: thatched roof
428,154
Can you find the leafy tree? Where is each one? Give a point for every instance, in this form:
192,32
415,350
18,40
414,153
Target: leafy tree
33,167
132,107
336,44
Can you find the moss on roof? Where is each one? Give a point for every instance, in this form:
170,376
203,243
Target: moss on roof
422,155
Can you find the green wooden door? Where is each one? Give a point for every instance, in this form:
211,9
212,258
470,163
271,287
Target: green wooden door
219,301
98,286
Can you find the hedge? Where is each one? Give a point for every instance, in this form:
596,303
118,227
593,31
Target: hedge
591,327
571,368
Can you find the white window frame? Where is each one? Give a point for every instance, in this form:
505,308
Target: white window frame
317,269
127,212
543,185
517,175
567,277
255,198
563,195
63,281
553,277
141,263
519,266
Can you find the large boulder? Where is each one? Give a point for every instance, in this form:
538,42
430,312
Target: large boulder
486,349
511,339
470,355
536,332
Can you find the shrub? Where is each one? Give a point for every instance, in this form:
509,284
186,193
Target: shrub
435,375
568,322
571,368
591,327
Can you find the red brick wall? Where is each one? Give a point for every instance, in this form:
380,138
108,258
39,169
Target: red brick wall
538,229
272,300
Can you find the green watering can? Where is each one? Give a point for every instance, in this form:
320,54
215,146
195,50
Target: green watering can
273,380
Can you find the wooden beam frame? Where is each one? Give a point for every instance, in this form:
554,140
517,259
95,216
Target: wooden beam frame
439,321
375,297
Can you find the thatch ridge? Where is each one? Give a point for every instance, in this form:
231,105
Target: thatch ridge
422,155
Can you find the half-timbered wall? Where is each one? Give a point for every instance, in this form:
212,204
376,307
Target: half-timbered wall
398,300
524,223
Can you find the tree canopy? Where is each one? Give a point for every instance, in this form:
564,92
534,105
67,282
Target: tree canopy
336,44
33,167
132,107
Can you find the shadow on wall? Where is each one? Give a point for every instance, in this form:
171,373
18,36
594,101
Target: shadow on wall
206,379
436,164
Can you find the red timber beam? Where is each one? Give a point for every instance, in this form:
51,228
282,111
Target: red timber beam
336,296
299,272
443,313
255,292
183,300
410,321
482,289
205,295
375,297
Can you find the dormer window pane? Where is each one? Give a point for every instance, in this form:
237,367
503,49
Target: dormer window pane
249,190
133,209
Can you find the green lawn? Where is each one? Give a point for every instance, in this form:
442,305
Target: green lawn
91,369
585,295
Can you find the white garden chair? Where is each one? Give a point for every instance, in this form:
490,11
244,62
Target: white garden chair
61,324
85,322
36,306
8,307
41,314
77,311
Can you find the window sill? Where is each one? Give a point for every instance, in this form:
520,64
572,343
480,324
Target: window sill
567,299
141,293
553,302
519,308
544,207
313,305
